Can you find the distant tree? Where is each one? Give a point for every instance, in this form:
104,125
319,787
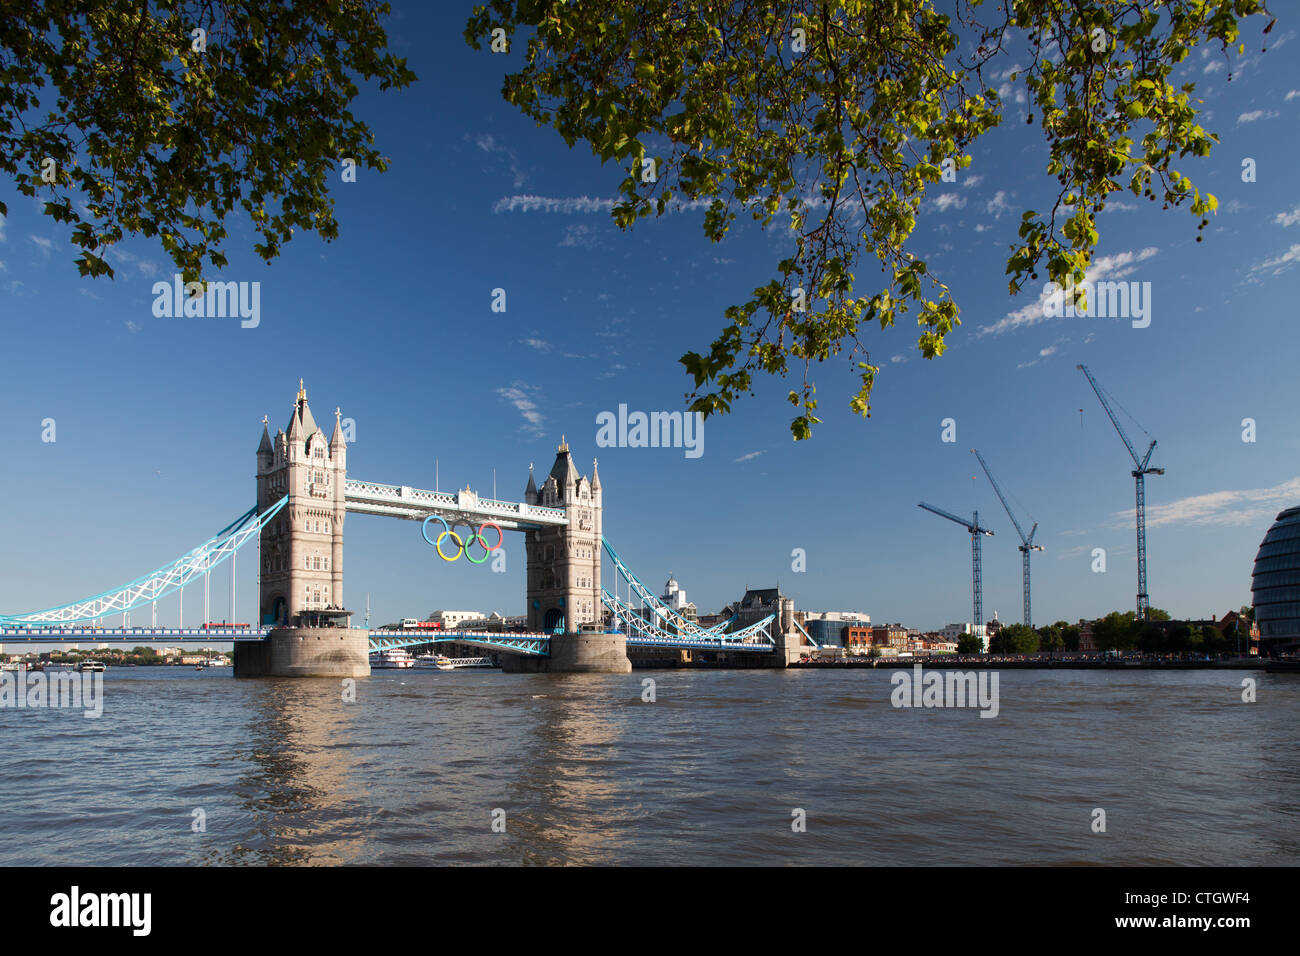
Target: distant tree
838,118
969,644
1153,639
1157,614
1247,612
158,119
1115,632
143,652
1014,639
1216,642
1050,638
1070,636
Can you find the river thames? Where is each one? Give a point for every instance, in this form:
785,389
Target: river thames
710,772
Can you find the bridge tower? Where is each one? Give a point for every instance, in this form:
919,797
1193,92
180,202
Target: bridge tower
564,562
302,549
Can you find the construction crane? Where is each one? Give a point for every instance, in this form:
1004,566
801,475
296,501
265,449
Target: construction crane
1139,473
1027,545
973,526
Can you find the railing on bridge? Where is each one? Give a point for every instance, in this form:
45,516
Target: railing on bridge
517,642
403,501
160,583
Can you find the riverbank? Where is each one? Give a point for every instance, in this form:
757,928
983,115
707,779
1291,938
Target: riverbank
1021,663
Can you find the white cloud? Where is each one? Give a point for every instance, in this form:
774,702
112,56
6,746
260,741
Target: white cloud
540,344
1280,264
518,396
945,201
45,245
1288,218
488,144
1107,267
1220,508
2,228
1254,115
568,205
752,454
1292,94
578,235
997,205
1213,66
972,180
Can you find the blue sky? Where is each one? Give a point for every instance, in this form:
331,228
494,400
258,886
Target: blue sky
158,419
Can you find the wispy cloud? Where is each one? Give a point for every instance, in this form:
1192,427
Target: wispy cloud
997,205
1288,218
1254,115
45,245
945,201
568,205
1279,264
2,228
1107,267
578,235
489,144
540,344
519,395
1220,508
751,455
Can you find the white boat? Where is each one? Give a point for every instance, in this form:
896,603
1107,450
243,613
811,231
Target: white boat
217,662
395,658
90,666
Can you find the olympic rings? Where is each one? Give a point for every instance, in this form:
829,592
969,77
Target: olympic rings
463,545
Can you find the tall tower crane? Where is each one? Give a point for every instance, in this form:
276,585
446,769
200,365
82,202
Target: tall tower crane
973,526
1027,545
1139,473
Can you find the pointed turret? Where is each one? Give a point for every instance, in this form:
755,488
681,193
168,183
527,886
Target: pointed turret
294,431
301,424
563,471
336,440
530,493
264,446
595,476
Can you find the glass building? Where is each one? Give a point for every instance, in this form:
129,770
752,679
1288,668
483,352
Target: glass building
1275,585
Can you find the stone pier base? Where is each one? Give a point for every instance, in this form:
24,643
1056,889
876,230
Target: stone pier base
305,652
575,654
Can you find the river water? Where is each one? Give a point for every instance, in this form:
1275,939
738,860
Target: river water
710,772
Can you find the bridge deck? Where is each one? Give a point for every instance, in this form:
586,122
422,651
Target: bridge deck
380,639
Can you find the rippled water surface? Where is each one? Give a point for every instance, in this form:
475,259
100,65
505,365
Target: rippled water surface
286,772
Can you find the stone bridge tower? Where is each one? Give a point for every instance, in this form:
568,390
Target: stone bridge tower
302,548
564,562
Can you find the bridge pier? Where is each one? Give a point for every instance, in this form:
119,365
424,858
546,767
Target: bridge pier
575,654
305,652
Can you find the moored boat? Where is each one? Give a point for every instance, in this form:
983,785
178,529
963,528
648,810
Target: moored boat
394,658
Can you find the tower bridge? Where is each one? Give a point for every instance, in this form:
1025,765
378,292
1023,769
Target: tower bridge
304,496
